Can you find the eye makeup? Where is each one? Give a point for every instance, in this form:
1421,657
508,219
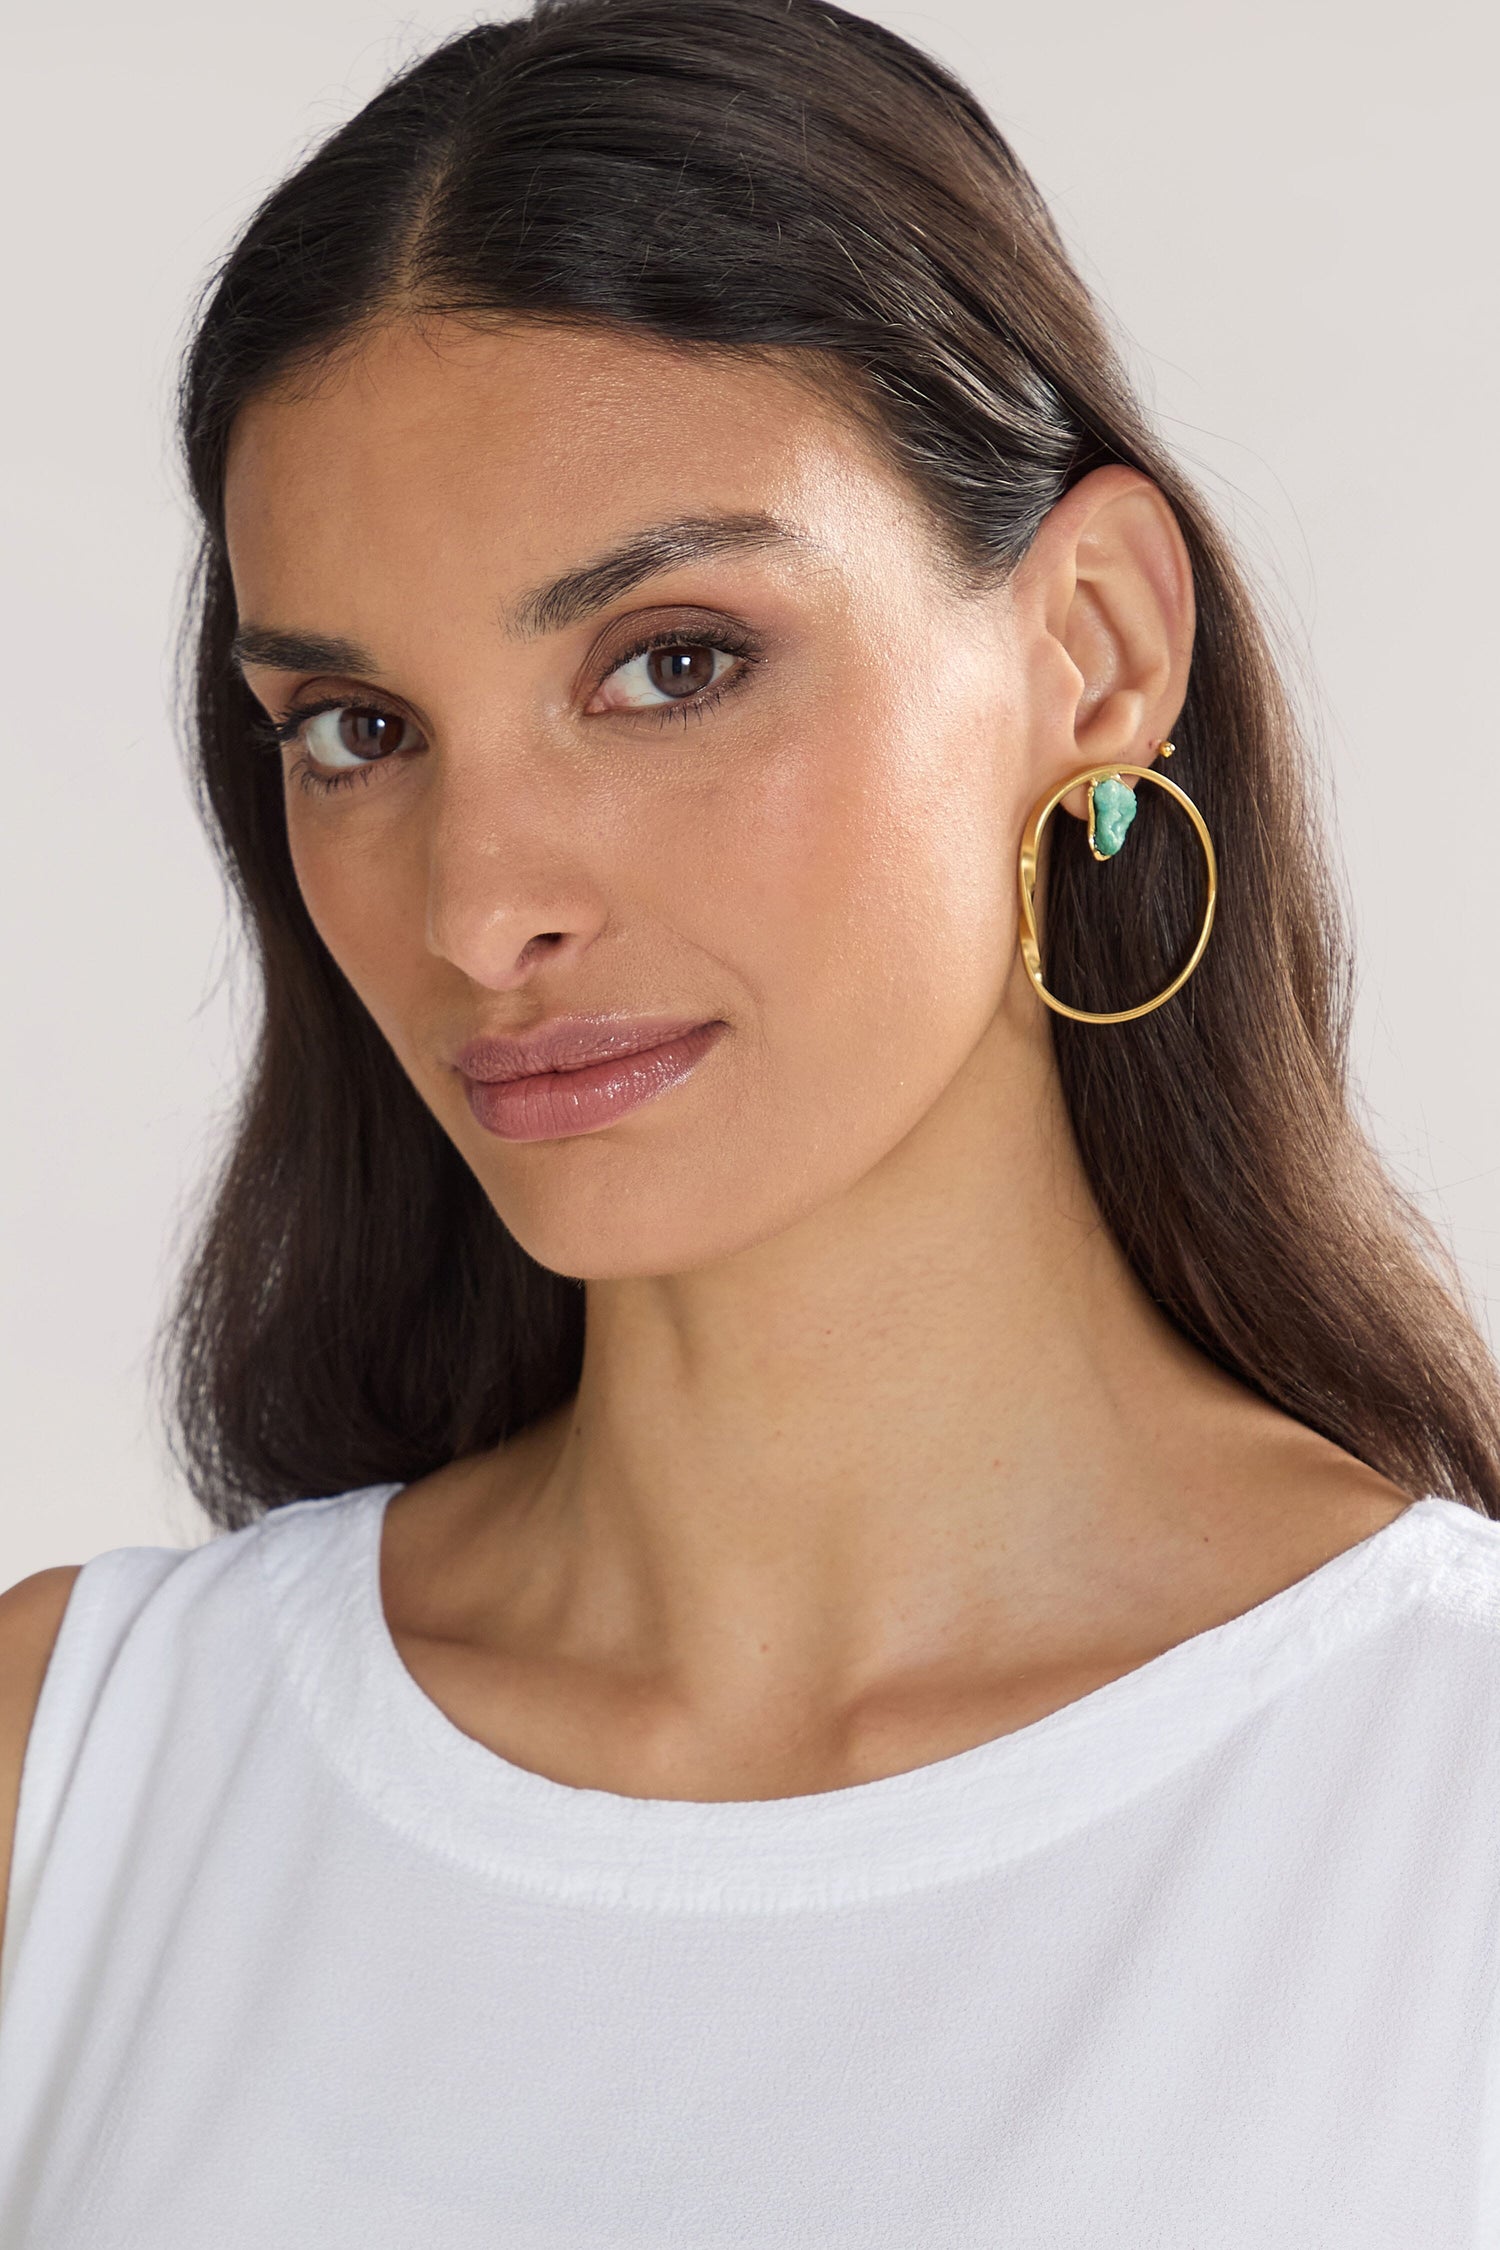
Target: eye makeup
721,636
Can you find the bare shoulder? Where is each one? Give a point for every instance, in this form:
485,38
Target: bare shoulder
30,1615
1308,1499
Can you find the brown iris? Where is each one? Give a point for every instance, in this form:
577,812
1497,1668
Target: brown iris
680,670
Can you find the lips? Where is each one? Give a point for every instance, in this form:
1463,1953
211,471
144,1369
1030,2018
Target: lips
579,1073
568,1043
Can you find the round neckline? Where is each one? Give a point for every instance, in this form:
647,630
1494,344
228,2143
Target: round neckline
954,1818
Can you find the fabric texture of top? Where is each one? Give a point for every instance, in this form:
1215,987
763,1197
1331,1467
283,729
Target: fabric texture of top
1205,1960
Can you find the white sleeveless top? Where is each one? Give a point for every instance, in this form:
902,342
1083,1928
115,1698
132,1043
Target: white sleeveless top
1206,1960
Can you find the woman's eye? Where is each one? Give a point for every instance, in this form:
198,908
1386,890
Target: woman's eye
347,736
673,674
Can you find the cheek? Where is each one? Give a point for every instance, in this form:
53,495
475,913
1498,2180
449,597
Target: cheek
863,896
366,904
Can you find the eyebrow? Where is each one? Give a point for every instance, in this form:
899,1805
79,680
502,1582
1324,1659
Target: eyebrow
284,651
563,600
567,599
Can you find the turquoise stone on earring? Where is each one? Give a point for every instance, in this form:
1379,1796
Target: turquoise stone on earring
1111,810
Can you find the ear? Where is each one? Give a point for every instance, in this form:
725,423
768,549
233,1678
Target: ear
1105,594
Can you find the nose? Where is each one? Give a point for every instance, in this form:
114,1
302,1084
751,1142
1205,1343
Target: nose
508,891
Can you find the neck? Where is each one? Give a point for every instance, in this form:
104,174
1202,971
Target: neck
875,1433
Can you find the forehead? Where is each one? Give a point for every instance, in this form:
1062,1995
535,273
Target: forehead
532,442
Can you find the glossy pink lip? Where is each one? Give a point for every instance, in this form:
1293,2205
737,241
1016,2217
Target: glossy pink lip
568,1043
579,1073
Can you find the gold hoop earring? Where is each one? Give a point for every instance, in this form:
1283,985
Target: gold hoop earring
1115,823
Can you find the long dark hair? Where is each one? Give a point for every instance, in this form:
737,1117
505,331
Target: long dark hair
777,175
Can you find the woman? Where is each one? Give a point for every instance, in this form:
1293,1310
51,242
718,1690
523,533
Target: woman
856,1600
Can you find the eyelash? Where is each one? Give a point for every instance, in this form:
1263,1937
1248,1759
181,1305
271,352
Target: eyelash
276,733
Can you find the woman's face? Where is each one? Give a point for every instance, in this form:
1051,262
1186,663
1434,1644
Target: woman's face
643,694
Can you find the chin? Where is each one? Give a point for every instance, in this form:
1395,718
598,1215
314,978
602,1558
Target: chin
615,1245
638,1220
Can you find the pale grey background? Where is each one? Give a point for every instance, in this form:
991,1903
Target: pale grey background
1289,207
